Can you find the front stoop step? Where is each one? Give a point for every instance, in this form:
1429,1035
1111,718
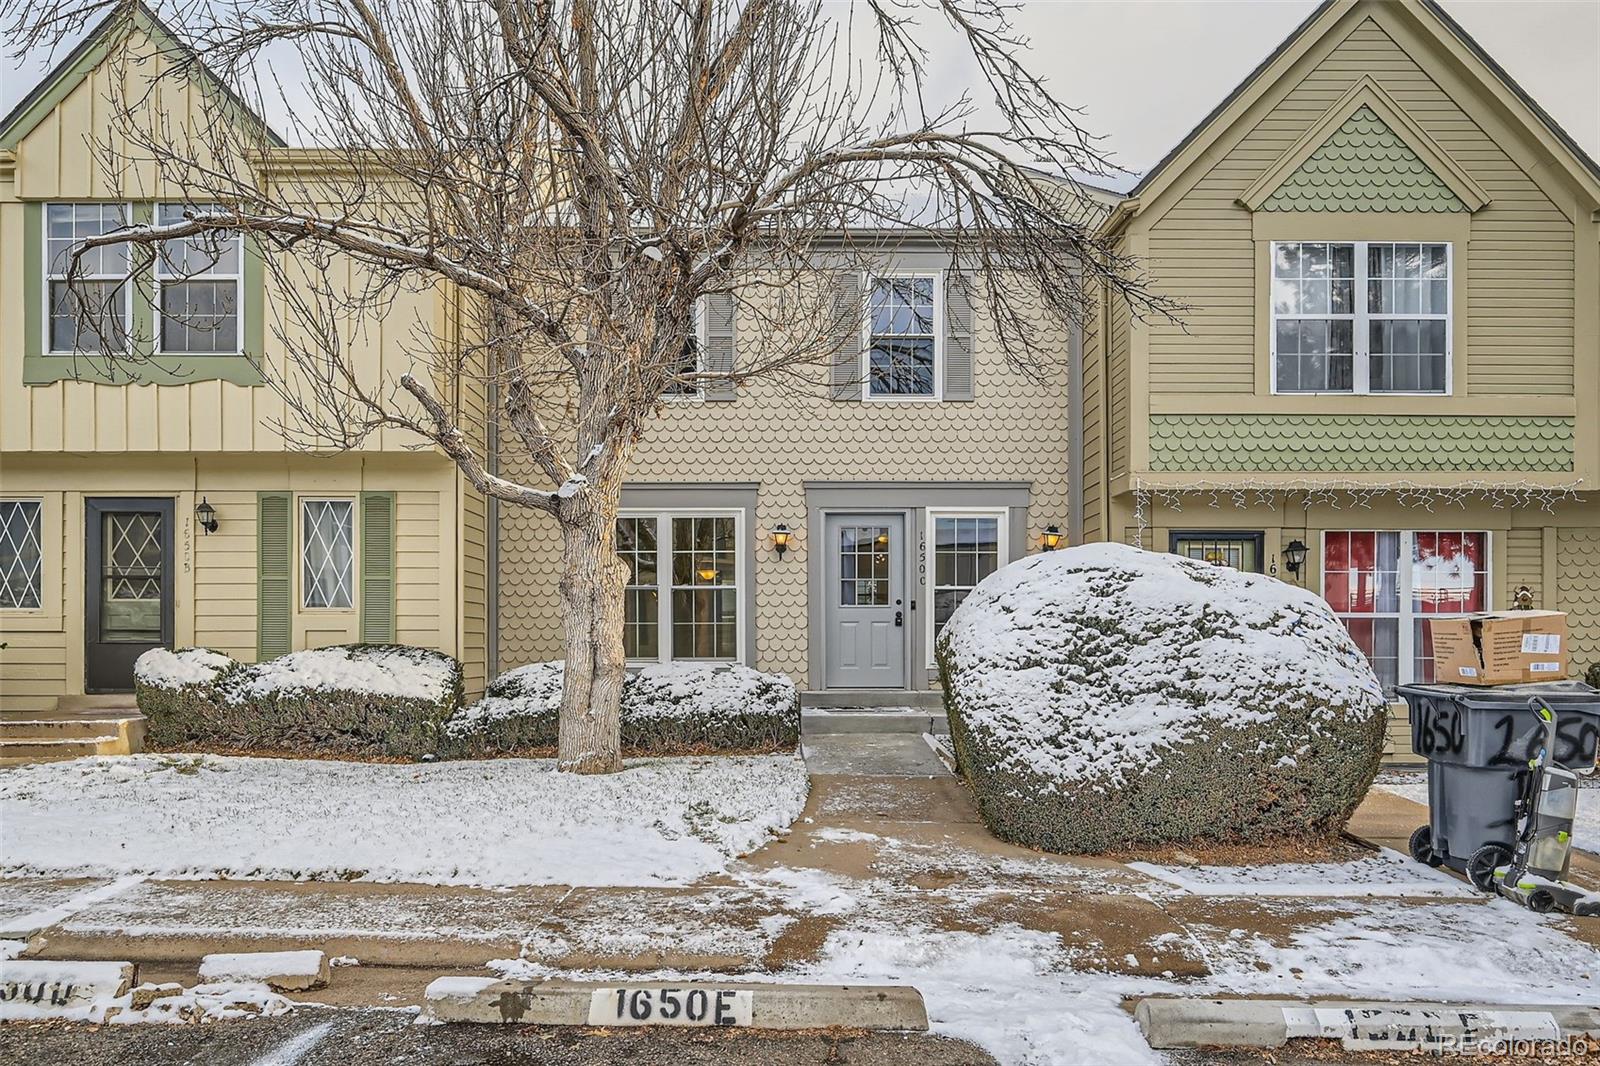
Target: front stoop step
815,722
871,699
70,736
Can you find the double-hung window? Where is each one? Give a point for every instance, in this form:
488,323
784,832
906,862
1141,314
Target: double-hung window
327,553
1387,584
684,585
21,556
198,287
903,337
1361,317
89,312
691,361
967,547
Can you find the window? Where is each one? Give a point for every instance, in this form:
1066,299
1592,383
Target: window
198,281
1361,317
327,553
695,599
91,313
967,547
902,349
21,562
1385,585
692,361
1242,551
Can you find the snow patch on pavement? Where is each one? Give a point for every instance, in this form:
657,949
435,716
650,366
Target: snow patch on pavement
1385,874
504,822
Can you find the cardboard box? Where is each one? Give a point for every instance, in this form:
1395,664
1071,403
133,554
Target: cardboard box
1500,648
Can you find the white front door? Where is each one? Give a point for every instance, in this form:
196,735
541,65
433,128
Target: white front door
864,608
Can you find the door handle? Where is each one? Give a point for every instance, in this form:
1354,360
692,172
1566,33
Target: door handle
899,618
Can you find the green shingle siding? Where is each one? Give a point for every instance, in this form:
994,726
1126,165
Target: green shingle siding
1359,443
1363,166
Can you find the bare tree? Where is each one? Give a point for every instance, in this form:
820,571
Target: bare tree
581,174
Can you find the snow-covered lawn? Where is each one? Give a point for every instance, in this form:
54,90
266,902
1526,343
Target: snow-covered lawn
496,823
1413,785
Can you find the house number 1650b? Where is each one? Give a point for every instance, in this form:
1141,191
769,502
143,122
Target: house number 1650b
670,1006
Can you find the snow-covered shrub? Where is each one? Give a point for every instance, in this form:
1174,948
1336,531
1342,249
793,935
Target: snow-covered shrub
1104,696
667,708
354,699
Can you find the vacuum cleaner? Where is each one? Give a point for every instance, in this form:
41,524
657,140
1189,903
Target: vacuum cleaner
1536,874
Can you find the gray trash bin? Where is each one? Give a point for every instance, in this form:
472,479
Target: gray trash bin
1478,742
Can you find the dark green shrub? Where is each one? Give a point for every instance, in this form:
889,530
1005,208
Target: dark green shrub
1104,697
1591,677
354,700
666,709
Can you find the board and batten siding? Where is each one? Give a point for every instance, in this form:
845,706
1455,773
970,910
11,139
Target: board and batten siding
1118,386
1519,262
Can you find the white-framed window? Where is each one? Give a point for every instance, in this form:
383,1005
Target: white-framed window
684,596
91,314
903,346
694,362
1361,317
965,545
1386,584
327,553
21,555
198,285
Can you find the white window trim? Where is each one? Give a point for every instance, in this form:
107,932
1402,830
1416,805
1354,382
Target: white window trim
701,338
38,501
1406,617
931,563
48,341
1360,318
355,552
157,284
663,520
938,277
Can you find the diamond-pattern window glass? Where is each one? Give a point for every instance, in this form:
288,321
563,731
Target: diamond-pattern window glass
131,573
327,552
863,566
20,555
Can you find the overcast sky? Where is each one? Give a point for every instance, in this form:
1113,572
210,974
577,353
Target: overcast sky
1145,71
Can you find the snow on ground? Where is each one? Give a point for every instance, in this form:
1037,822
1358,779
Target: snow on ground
1387,873
1413,785
500,823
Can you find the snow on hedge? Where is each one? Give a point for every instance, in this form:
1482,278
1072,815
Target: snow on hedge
172,669
1103,691
380,670
665,707
509,822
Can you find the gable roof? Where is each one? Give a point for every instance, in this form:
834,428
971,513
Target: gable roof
1426,13
79,63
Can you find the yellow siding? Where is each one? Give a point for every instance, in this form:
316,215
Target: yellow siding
1118,387
1092,474
417,591
225,577
1519,263
474,589
1524,566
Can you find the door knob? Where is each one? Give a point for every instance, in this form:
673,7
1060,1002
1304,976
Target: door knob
899,618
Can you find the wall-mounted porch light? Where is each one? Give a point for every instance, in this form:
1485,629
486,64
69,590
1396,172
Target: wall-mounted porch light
1050,538
205,516
780,539
1294,557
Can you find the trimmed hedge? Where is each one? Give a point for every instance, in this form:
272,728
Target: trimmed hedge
1104,697
355,699
667,709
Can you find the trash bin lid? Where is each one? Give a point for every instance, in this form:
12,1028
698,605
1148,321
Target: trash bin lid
1513,697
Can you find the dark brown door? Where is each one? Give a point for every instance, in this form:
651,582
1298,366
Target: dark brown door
127,587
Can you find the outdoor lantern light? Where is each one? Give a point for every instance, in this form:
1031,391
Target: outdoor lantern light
780,539
1051,538
206,515
1294,556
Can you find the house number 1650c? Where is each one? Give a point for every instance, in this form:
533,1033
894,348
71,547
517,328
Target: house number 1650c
670,1006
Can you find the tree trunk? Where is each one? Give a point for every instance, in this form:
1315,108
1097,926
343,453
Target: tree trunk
592,582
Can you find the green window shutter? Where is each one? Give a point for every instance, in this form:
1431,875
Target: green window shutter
846,377
377,567
274,534
957,338
720,350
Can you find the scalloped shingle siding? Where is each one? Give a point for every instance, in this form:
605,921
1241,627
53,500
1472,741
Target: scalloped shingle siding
1352,443
1363,166
1578,587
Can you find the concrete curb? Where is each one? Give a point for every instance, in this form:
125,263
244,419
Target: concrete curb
1358,1025
760,1006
